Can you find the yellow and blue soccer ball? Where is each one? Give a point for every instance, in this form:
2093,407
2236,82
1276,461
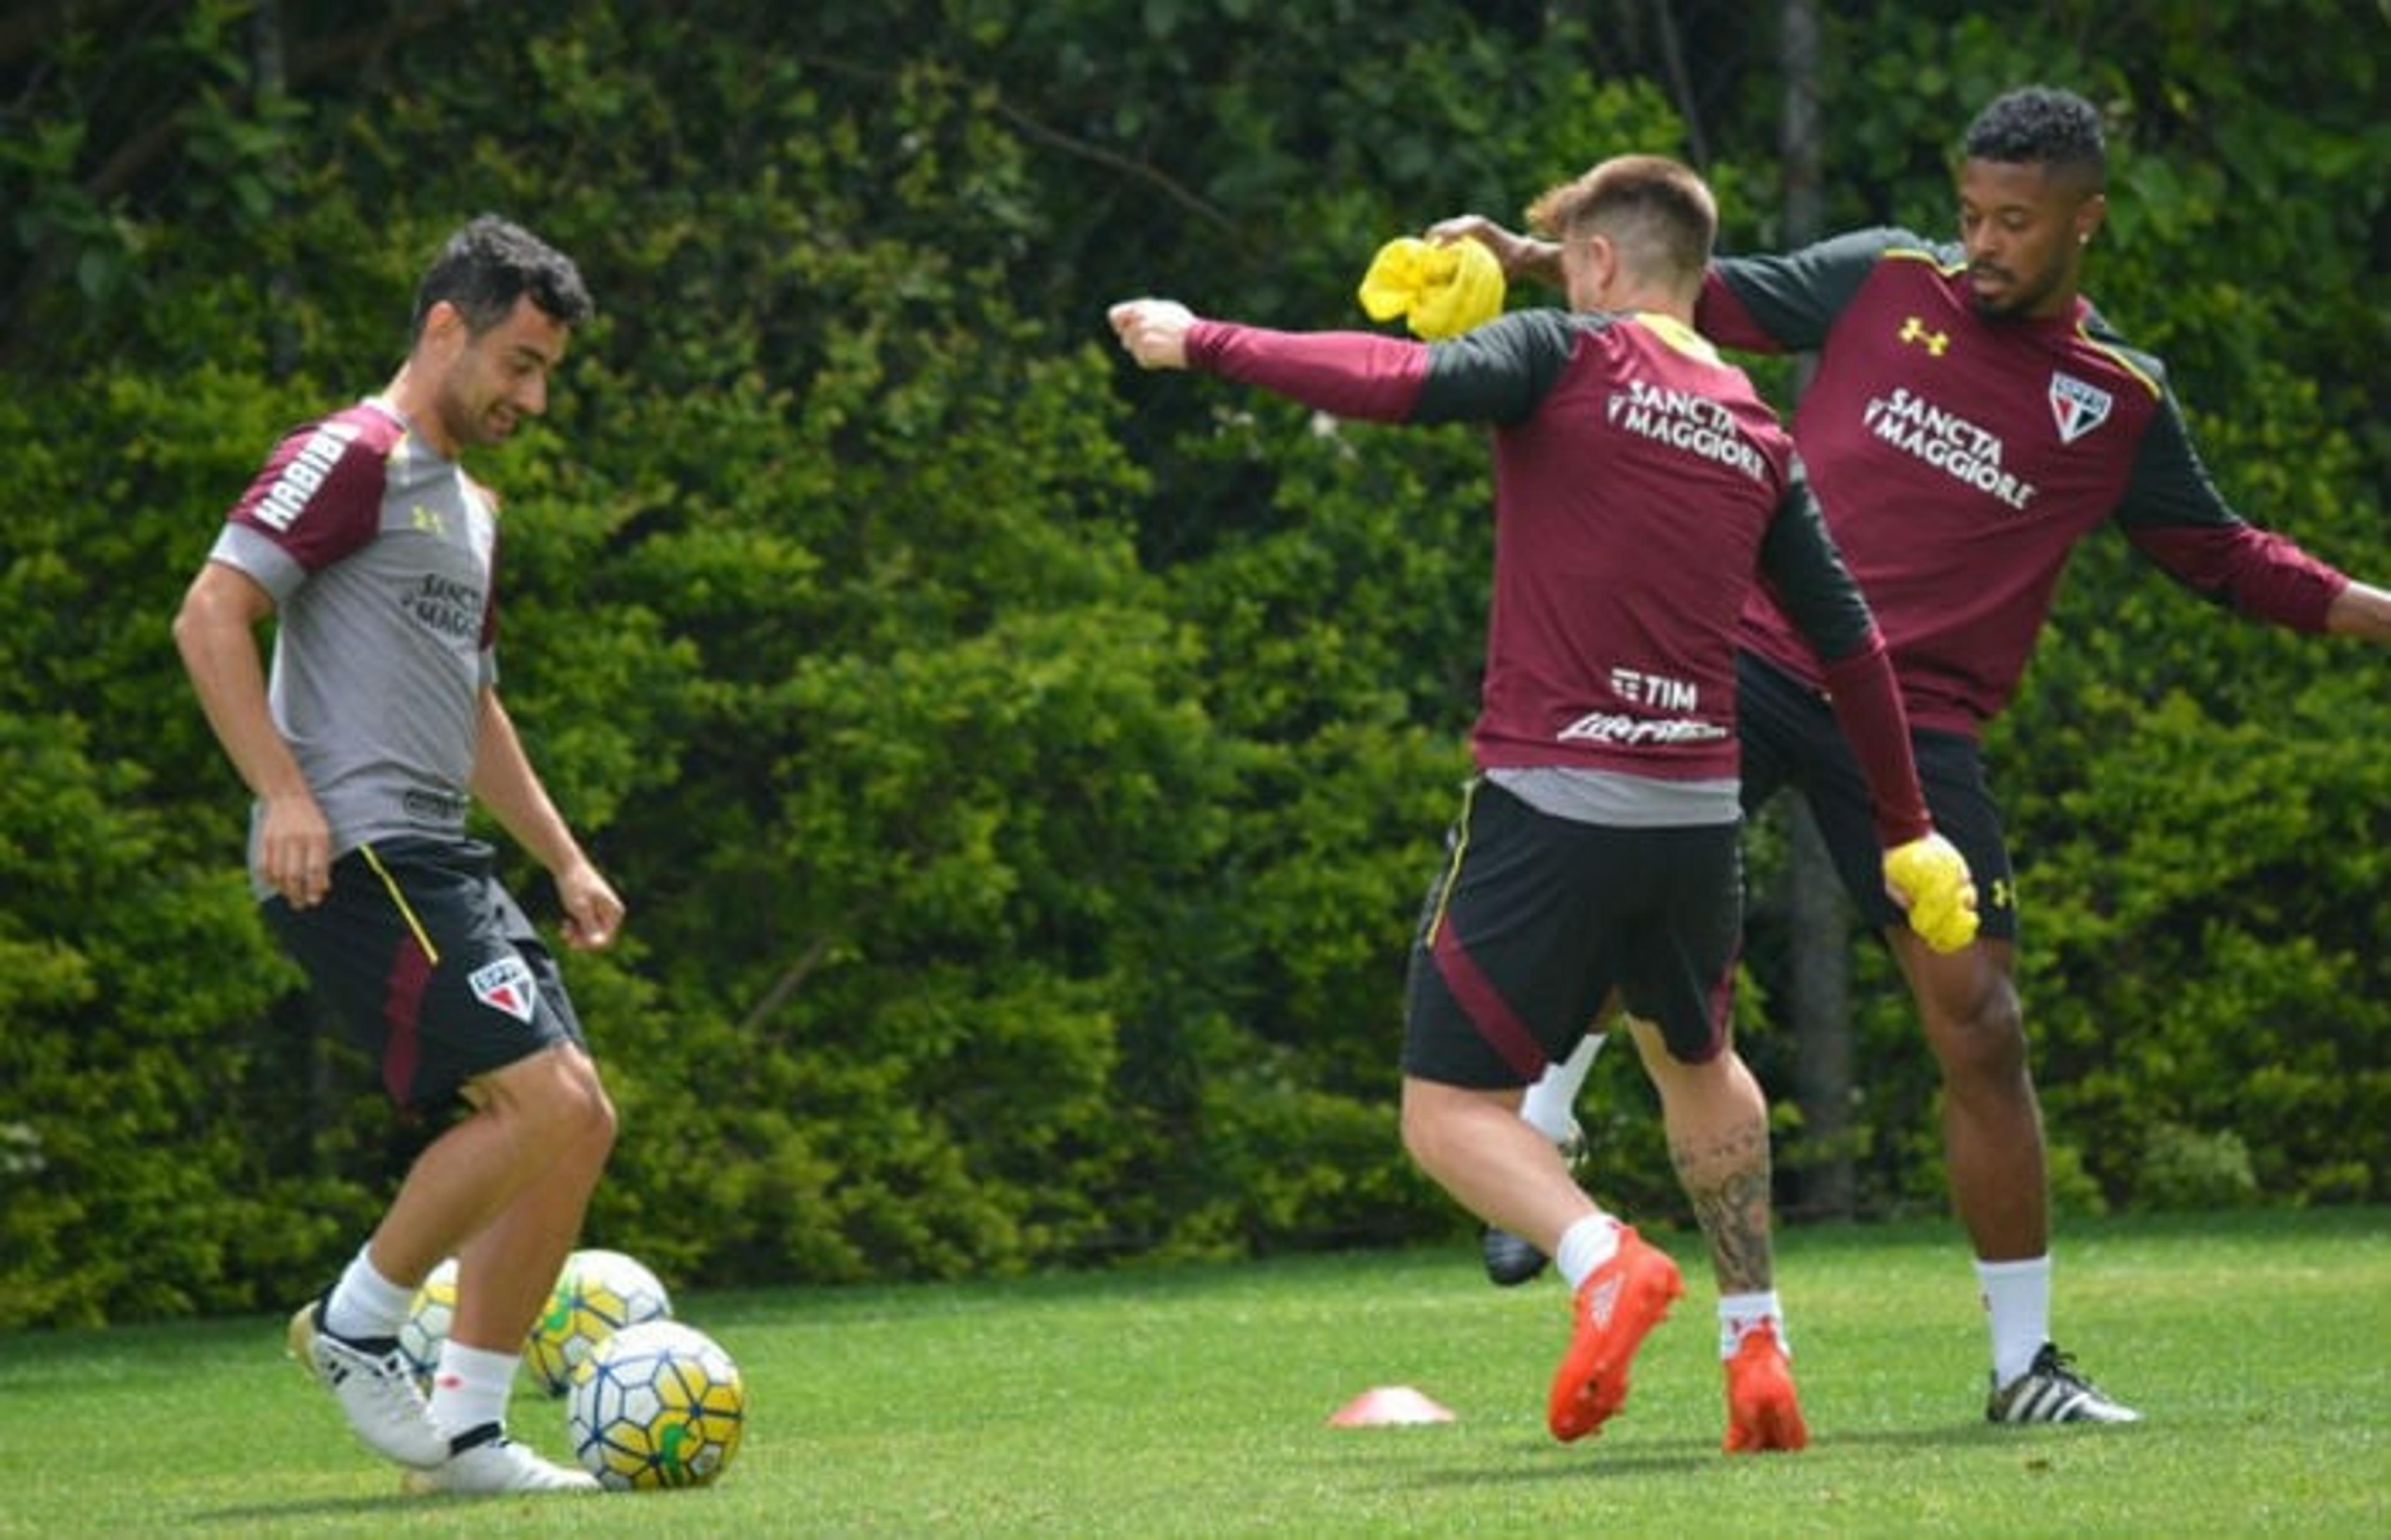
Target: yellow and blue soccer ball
657,1405
598,1295
429,1316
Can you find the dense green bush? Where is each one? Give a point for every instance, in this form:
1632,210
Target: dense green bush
1024,772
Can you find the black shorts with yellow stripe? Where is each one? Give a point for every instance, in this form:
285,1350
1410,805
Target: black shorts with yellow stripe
1535,920
429,964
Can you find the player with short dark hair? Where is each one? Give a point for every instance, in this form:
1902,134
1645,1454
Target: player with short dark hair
489,265
375,554
1641,491
1972,419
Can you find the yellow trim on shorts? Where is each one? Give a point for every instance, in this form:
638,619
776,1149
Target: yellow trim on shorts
405,912
1452,864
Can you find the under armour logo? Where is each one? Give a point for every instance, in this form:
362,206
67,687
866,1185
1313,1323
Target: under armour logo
1914,330
2004,896
429,520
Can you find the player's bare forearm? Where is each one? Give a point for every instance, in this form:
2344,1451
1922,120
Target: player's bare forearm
1522,256
2361,610
506,784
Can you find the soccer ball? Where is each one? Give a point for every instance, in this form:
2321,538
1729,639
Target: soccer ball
429,1316
598,1295
656,1404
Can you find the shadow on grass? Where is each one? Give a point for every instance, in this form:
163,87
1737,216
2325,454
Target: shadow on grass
248,1517
251,1516
1669,1457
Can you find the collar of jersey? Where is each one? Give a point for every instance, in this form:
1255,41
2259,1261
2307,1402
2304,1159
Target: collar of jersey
1678,335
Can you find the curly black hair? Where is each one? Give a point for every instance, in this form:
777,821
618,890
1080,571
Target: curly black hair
2039,125
490,264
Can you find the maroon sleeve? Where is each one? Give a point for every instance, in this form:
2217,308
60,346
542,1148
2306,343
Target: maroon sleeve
319,496
1722,316
2261,574
1868,707
1353,373
1789,302
2174,514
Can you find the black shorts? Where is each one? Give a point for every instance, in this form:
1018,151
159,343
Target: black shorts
1790,738
1535,920
430,966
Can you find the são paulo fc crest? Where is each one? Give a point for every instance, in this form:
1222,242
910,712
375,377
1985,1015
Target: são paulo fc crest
505,986
2077,407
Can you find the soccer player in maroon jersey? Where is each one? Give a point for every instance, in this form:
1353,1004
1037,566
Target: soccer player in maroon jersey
1642,491
1970,419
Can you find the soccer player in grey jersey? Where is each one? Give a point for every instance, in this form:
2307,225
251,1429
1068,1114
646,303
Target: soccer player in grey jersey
373,551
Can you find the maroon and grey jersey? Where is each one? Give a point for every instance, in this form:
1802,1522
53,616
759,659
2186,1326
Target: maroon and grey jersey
1959,459
1641,488
379,555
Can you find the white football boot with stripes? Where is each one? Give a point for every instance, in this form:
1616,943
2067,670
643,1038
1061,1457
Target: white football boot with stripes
375,1386
2052,1391
486,1462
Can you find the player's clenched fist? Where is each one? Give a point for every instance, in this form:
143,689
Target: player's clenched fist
1155,331
1930,878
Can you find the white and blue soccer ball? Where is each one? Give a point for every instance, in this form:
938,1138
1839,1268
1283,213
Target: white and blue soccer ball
429,1317
599,1294
655,1406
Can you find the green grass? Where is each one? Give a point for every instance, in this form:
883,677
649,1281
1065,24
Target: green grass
1194,1401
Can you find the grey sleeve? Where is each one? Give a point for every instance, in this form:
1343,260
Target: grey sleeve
245,550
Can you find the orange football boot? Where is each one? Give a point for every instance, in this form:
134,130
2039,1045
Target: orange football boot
1624,1299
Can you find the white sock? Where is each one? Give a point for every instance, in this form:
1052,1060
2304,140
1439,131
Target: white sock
1550,1105
1586,1245
471,1387
364,1303
1742,1313
2017,1308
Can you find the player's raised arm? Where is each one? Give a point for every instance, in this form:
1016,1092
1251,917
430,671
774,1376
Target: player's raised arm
1521,256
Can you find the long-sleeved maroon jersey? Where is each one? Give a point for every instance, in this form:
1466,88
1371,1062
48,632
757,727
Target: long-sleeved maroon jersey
1642,490
1960,458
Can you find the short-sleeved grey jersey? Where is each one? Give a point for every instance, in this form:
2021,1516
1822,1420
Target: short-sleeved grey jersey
379,556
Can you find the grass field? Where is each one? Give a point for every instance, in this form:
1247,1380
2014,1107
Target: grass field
1194,1401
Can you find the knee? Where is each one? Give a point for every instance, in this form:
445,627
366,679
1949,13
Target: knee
1720,1073
1715,1090
594,1120
563,1098
1428,1125
599,1125
1419,1132
1981,1040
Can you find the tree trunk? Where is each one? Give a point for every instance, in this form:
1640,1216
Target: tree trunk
270,73
1820,963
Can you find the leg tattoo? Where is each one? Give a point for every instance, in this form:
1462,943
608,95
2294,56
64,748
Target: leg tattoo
1727,1180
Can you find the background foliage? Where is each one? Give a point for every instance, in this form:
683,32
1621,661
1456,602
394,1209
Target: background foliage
1023,771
